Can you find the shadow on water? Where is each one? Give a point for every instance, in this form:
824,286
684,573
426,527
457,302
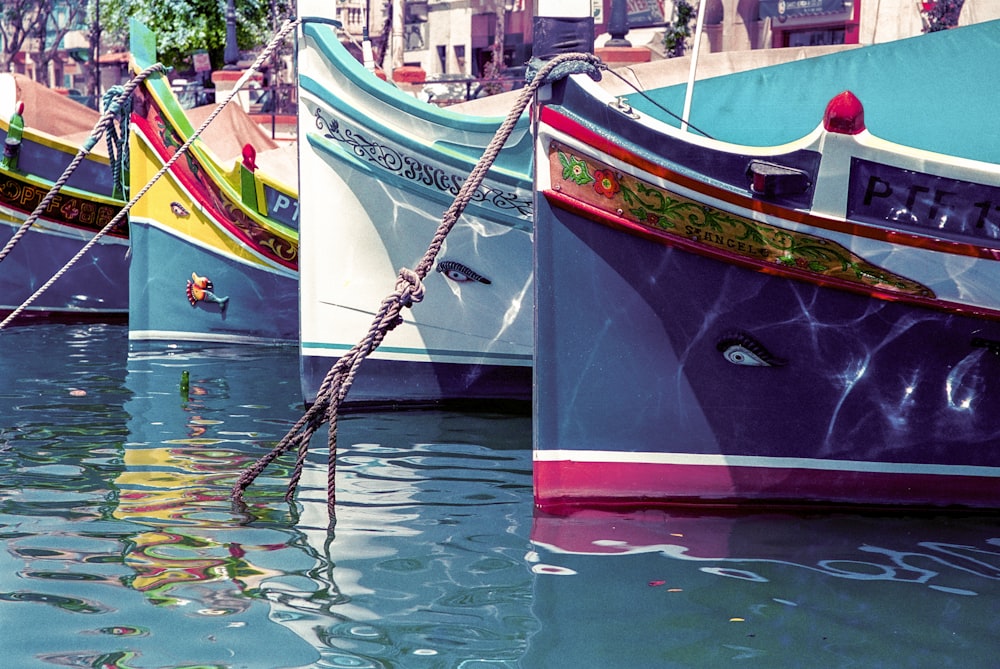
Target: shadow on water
121,548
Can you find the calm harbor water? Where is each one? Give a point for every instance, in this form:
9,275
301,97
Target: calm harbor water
121,549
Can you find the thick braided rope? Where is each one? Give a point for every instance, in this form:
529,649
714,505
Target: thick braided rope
117,142
409,289
288,26
111,112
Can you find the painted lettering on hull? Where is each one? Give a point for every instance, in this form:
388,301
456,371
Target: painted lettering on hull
63,208
881,194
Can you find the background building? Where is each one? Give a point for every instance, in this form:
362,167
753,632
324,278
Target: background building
455,40
457,36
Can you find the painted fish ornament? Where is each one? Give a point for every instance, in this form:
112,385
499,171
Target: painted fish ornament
199,289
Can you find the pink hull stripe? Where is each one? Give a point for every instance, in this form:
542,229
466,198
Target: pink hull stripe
560,483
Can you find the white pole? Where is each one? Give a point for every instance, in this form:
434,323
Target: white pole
367,57
694,66
397,35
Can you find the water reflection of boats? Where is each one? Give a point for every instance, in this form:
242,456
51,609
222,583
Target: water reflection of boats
714,589
215,241
798,309
195,416
429,539
80,568
378,169
350,594
43,131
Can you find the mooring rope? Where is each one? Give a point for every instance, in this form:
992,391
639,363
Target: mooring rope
643,94
409,289
287,27
118,141
111,112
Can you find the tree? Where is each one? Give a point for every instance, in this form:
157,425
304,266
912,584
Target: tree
941,15
185,26
39,25
55,19
19,20
679,30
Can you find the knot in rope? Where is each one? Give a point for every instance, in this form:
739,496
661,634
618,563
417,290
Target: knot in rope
409,287
575,64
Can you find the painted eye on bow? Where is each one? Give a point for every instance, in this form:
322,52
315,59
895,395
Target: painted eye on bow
738,355
740,348
459,273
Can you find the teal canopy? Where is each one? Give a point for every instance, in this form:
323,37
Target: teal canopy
936,91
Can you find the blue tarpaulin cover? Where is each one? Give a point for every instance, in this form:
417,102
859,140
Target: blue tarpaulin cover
936,92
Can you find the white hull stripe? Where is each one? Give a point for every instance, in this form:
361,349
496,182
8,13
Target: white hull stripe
760,462
169,335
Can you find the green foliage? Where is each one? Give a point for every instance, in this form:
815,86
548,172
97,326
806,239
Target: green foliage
941,15
49,19
679,30
184,26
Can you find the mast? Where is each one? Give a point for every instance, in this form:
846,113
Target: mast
367,57
397,35
694,65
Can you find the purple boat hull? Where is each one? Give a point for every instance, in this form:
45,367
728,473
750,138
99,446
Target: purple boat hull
869,398
813,322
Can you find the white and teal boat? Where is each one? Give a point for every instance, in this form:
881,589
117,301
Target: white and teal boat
378,168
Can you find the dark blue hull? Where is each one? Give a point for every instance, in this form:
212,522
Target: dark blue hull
409,384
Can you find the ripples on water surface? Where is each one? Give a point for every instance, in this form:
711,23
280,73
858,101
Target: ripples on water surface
120,548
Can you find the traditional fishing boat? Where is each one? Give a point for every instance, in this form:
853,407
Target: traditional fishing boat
785,297
42,132
378,168
215,241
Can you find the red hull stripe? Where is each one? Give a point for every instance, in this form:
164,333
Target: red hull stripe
602,144
665,479
205,201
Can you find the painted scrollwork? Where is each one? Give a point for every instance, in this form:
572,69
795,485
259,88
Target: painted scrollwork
256,235
415,170
675,215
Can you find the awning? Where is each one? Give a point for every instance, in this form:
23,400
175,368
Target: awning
115,57
784,9
635,36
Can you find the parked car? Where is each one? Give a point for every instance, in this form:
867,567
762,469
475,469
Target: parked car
447,88
76,95
192,93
